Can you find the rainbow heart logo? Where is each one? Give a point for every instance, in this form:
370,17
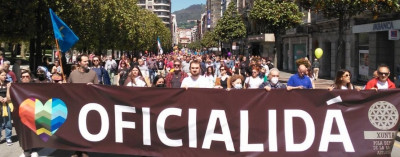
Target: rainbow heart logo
45,119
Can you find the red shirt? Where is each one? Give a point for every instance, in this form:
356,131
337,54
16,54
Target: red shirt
373,84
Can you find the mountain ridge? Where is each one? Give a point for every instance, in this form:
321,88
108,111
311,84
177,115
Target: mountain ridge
192,12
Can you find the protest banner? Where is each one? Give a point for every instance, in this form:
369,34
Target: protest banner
205,122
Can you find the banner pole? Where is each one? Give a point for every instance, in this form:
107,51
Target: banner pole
60,61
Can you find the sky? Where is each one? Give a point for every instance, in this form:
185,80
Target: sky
182,4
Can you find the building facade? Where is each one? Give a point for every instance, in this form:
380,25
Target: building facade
255,43
185,36
368,44
162,8
214,13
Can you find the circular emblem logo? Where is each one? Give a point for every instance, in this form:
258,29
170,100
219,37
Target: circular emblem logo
383,115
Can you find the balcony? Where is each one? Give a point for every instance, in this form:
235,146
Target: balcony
161,10
161,4
163,16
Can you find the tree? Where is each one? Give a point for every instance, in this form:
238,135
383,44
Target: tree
344,10
100,25
276,16
194,45
209,40
230,26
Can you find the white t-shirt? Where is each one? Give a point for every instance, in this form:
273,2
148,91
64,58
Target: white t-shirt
254,83
139,83
210,79
201,82
382,85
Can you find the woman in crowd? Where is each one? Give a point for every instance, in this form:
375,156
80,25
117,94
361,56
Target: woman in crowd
56,72
224,80
236,82
122,73
6,108
43,75
135,78
159,81
253,81
125,60
209,75
342,81
236,67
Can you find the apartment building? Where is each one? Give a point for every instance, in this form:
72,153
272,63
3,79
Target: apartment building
162,8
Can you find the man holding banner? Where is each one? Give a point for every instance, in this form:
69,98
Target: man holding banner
83,74
299,80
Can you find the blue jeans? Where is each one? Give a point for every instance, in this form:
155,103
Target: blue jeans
6,124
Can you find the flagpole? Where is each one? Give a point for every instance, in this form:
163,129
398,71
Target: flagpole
158,48
60,61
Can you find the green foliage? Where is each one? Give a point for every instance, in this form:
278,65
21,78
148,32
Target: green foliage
194,45
275,16
349,8
99,24
209,40
230,26
17,20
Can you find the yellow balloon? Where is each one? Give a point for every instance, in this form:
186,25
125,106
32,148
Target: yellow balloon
318,53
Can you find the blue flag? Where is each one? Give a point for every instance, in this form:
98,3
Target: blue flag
65,36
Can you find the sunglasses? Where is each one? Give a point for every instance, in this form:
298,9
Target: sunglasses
382,73
95,60
177,65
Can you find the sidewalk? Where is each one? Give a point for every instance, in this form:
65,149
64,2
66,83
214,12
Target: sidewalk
319,84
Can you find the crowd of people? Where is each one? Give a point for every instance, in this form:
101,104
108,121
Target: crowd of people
175,71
